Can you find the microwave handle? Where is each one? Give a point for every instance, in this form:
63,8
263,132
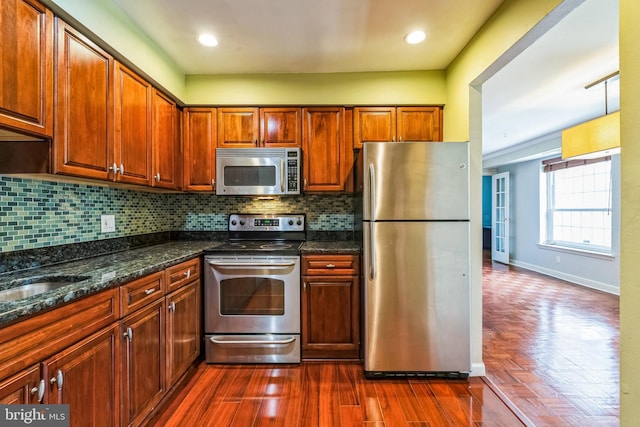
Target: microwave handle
282,175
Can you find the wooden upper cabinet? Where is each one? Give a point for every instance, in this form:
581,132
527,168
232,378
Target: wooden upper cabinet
397,124
26,79
199,149
374,124
419,124
166,142
248,127
327,152
84,111
238,127
132,142
280,127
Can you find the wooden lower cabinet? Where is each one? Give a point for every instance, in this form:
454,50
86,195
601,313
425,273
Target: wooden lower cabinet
85,377
183,330
143,365
330,308
22,388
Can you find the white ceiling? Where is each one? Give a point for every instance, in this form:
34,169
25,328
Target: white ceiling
304,36
538,93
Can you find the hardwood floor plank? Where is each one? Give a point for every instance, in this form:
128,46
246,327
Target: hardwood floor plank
392,412
329,398
247,412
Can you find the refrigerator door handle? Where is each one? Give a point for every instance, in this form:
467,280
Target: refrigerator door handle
372,252
372,191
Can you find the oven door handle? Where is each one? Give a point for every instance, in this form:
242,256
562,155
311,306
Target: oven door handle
216,340
252,265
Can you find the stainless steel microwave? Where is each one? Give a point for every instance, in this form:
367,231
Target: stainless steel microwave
258,171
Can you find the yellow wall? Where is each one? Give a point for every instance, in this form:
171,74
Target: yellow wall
410,87
630,217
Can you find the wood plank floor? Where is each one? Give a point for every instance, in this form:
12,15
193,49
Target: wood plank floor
550,348
329,394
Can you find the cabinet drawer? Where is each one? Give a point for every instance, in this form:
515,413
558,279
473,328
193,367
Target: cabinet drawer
181,274
332,265
141,292
27,342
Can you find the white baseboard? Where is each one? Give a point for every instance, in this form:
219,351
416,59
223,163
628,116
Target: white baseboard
478,370
604,287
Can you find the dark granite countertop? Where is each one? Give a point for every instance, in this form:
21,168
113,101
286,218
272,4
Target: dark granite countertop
107,271
330,247
101,273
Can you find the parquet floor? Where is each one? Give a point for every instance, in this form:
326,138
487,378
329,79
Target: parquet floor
550,347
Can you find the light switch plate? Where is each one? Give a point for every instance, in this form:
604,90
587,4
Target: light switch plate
107,223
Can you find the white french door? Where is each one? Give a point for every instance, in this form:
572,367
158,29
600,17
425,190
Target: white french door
500,217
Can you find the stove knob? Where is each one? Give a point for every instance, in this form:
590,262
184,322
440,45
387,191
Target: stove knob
241,222
234,222
290,222
299,222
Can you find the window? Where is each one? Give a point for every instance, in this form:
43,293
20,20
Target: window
578,203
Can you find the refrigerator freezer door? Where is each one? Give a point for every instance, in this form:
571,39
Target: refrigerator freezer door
417,297
416,181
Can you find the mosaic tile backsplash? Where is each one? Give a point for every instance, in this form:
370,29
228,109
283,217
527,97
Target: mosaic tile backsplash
38,213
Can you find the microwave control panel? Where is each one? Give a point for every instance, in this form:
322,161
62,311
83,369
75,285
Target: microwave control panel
293,171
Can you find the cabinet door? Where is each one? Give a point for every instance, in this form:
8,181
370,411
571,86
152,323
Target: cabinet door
85,376
83,132
199,149
238,127
419,124
280,127
327,156
183,330
23,388
166,143
26,80
330,317
374,124
143,362
132,143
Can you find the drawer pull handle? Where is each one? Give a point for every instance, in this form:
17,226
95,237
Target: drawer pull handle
172,306
188,273
331,266
40,389
149,291
128,334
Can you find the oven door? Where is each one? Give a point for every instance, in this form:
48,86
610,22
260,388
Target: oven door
252,295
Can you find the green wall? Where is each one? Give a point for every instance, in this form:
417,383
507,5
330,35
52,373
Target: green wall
410,87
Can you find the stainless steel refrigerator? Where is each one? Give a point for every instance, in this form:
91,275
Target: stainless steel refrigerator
415,224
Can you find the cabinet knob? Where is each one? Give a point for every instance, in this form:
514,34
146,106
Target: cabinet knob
59,379
157,176
128,334
187,274
40,390
172,306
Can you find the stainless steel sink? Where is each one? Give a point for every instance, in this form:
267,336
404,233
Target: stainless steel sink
37,287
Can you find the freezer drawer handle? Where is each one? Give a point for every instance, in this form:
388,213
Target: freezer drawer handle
372,191
284,341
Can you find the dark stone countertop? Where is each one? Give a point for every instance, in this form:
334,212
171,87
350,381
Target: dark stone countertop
330,247
107,271
102,272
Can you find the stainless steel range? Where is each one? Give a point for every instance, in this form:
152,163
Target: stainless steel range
252,291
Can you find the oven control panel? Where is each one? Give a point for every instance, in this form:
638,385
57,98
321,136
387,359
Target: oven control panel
266,222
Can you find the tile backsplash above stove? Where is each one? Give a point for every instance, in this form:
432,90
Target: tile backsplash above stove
38,213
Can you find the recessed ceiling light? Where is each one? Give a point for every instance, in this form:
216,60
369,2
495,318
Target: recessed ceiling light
415,37
208,40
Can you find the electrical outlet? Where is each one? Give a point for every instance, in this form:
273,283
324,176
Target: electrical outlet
107,223
558,259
